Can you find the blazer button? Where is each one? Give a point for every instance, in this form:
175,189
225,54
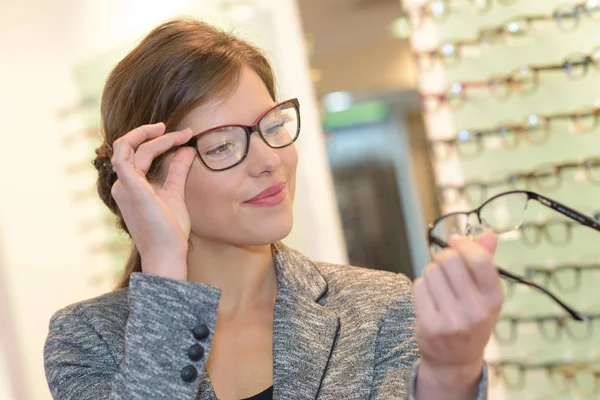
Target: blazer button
189,373
200,332
195,352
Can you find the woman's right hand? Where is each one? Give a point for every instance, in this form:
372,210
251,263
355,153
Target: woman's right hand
156,215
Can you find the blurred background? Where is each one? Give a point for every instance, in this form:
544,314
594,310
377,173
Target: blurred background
411,109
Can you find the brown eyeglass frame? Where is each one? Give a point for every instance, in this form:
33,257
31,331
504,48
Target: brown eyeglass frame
249,129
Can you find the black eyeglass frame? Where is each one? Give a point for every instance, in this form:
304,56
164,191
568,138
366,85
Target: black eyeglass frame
556,206
249,129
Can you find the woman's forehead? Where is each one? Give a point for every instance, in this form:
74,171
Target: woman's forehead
243,105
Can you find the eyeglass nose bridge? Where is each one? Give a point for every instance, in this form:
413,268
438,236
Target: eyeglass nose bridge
473,226
474,230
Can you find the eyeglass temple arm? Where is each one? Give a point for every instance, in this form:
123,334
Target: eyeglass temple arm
566,211
507,275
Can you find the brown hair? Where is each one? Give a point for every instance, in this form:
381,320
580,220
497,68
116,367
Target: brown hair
176,67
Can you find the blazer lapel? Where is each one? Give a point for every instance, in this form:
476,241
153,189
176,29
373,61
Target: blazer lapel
304,331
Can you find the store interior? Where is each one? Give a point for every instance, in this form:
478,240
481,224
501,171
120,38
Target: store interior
411,110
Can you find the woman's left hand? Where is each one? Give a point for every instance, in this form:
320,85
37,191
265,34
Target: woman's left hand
458,303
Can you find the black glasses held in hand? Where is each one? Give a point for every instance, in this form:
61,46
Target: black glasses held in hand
226,146
502,213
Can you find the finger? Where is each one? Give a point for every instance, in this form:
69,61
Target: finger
473,305
124,148
148,151
481,265
179,169
488,240
457,273
425,307
440,291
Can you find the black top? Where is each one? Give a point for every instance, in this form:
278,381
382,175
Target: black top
267,394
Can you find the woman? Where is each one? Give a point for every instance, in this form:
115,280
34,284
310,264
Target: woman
211,304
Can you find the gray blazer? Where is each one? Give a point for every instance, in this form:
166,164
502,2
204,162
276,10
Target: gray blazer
339,333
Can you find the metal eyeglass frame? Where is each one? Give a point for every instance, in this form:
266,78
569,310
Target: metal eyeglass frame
556,206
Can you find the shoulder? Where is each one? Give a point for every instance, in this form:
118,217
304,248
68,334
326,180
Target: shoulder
359,279
105,312
369,289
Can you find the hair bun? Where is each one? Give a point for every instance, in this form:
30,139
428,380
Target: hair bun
106,176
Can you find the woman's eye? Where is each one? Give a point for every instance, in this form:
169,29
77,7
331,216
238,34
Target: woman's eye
276,126
219,150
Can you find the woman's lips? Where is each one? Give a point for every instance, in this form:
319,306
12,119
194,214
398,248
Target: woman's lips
269,197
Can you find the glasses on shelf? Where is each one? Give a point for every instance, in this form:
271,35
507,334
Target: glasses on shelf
581,379
439,10
84,104
557,232
106,221
86,134
549,177
226,146
546,177
567,19
110,247
524,79
534,129
502,213
565,277
552,328
564,376
449,54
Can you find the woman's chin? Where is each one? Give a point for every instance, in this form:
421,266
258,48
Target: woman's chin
270,230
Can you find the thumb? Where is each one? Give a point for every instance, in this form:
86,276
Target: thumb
178,169
488,241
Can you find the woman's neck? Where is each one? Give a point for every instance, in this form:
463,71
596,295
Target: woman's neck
245,275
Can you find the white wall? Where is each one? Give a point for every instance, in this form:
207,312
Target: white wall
44,265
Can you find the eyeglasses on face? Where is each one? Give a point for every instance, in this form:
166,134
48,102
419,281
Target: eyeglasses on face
534,129
226,146
502,213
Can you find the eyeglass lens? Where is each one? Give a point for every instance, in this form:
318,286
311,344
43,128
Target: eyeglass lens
224,147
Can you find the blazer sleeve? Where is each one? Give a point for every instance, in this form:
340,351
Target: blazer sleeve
396,349
397,353
158,334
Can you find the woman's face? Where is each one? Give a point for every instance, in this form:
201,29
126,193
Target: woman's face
218,201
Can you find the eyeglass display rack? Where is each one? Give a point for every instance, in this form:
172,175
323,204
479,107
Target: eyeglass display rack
472,78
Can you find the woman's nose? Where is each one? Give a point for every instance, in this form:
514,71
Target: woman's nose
262,158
